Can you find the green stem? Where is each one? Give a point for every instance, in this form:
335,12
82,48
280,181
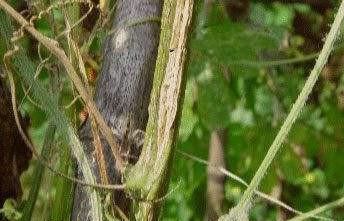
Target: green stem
312,213
149,178
38,174
274,63
63,199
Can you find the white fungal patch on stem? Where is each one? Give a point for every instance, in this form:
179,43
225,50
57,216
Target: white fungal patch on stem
122,37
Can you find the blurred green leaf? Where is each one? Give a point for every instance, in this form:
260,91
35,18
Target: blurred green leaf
189,118
214,100
9,210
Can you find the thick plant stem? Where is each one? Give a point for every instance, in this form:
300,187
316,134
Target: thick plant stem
241,211
148,179
122,93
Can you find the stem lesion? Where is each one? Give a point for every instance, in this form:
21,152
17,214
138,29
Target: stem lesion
149,178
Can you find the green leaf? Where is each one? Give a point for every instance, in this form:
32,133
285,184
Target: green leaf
189,118
290,165
214,100
242,115
9,210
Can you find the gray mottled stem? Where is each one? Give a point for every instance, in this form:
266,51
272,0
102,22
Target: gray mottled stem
124,86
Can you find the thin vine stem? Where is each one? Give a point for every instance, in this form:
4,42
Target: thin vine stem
273,62
27,141
240,212
44,162
262,195
53,47
337,203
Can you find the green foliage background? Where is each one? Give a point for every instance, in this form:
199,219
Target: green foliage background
239,79
229,86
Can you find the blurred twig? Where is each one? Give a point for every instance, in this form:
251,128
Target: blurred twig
240,180
337,203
